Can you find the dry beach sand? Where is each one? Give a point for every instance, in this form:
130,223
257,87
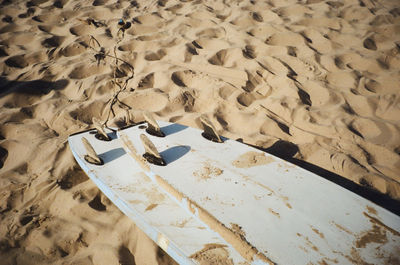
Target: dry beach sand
314,81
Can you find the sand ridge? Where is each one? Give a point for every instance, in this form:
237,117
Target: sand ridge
320,75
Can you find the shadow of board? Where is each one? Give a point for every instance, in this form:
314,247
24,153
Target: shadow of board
286,150
35,87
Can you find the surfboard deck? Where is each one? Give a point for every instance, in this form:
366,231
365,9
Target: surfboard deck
175,230
254,207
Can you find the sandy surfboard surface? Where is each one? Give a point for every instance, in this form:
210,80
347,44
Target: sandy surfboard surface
312,81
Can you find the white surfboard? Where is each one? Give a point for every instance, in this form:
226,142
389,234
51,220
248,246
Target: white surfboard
230,202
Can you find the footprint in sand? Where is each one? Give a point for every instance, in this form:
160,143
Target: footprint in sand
261,32
375,131
143,30
372,86
369,44
342,79
293,10
246,99
245,21
3,51
191,79
257,17
146,82
26,219
24,60
60,3
97,204
55,18
253,82
162,3
53,42
150,19
319,95
155,36
81,30
35,2
45,28
139,46
3,156
226,91
28,13
73,49
11,28
17,61
292,51
211,43
304,96
72,178
84,71
174,9
191,50
227,57
212,33
285,39
21,38
179,79
249,52
155,56
125,256
151,99
7,19
317,41
99,2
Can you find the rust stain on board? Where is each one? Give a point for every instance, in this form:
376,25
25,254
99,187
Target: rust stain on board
321,235
344,229
375,221
327,261
237,229
274,213
375,235
355,257
309,243
371,210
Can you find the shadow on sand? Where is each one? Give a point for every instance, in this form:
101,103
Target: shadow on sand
286,150
35,87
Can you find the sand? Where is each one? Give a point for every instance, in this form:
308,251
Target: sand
317,81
